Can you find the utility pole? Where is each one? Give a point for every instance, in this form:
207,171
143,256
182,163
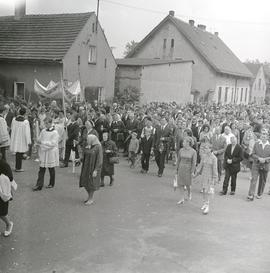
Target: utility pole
97,15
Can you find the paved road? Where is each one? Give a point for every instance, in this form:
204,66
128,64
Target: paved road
134,226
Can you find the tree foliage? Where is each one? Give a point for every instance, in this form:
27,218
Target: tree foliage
129,47
129,95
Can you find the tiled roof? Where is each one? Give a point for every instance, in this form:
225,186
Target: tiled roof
147,62
209,46
39,37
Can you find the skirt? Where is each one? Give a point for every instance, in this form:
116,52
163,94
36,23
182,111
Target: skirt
3,208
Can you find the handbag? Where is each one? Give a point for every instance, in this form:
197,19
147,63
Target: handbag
114,160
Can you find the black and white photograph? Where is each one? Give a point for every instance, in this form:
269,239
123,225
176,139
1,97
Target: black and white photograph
134,136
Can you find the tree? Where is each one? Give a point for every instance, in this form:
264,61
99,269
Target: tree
129,95
129,47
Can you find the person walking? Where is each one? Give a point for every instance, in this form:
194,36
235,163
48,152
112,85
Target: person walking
133,149
218,147
146,146
91,168
185,167
48,154
20,138
260,166
232,159
209,175
162,140
109,150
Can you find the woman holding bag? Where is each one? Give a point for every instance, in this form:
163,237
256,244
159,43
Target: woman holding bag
91,168
109,151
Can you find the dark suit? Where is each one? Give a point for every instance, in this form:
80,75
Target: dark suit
73,130
232,169
161,146
145,147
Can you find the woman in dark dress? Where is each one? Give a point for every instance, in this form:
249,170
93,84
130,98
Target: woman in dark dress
6,170
109,150
91,168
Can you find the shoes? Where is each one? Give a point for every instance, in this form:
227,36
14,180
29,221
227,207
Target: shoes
159,175
36,160
102,185
181,202
204,206
206,209
143,171
232,193
19,170
222,193
63,166
36,188
258,196
49,186
9,231
250,198
89,202
201,191
77,163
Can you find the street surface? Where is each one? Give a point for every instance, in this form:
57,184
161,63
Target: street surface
134,226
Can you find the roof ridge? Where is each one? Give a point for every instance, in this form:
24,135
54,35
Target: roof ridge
52,14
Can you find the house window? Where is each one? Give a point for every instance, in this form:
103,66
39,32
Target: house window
260,82
246,95
93,27
219,94
79,59
164,43
226,94
105,63
92,57
172,43
241,98
232,95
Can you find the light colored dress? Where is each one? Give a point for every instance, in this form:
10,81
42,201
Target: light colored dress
186,163
208,170
48,149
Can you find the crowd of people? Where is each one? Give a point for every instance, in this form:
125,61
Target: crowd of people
199,139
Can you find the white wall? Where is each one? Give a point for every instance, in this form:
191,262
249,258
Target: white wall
258,92
91,74
167,83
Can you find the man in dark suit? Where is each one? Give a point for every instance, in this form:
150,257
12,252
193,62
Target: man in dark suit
162,140
232,159
73,130
145,149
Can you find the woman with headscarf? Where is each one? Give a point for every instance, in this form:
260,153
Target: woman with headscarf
109,150
185,167
91,168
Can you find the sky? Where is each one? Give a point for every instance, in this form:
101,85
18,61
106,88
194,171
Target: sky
244,25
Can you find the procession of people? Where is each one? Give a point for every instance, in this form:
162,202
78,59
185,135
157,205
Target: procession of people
201,141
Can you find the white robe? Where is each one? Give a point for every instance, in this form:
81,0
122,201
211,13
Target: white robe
20,136
48,149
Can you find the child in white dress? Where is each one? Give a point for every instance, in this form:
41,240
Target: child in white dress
209,175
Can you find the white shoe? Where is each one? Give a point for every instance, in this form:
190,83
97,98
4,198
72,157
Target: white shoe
206,210
180,202
89,203
9,231
203,207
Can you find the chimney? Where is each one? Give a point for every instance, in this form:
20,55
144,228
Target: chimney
171,12
20,9
191,22
216,33
202,27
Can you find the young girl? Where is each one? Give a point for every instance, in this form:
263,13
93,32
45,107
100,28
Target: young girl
209,175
